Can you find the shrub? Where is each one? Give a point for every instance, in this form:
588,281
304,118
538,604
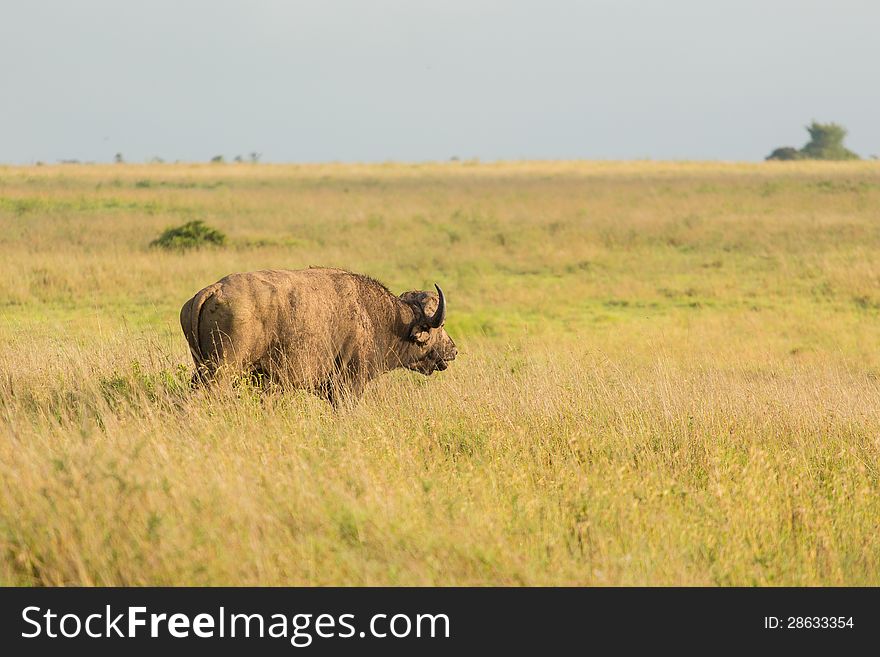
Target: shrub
785,153
826,143
191,235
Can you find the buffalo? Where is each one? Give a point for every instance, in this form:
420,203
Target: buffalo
325,330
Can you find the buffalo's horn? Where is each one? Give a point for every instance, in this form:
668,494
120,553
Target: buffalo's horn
440,315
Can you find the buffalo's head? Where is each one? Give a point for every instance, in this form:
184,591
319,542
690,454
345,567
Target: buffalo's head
431,348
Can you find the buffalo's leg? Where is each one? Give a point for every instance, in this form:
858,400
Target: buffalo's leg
340,390
261,378
202,375
325,390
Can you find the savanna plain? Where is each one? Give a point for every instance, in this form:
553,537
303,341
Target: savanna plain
668,373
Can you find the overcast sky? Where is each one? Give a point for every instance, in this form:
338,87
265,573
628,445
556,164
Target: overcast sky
373,80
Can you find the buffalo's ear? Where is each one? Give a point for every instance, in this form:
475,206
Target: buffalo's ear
419,333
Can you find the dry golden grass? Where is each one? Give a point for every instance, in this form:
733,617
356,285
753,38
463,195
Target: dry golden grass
668,375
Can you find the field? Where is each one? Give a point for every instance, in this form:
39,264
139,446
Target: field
669,373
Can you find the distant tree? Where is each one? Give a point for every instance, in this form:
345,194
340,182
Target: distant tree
826,143
255,157
217,159
118,158
238,159
193,234
156,160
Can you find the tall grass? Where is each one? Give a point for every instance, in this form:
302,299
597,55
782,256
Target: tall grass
668,375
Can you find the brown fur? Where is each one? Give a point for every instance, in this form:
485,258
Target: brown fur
326,330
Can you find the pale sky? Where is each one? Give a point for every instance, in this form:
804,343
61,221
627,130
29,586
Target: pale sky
413,80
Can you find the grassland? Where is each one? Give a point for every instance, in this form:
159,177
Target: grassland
669,374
